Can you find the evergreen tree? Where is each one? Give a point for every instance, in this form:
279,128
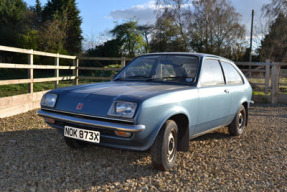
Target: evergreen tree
111,48
38,11
274,45
67,13
12,14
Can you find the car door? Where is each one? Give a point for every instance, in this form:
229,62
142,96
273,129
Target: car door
214,97
235,85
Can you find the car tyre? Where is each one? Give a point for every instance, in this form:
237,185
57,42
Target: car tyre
237,126
164,149
75,144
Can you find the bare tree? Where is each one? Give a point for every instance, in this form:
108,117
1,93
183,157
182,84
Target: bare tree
215,27
94,39
146,31
177,13
210,26
273,9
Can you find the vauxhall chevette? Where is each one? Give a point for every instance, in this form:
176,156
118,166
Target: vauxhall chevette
158,102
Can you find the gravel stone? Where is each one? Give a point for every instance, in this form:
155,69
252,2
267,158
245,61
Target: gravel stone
34,157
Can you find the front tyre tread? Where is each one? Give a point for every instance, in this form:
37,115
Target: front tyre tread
164,149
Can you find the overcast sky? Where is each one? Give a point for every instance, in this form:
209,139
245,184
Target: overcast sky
100,16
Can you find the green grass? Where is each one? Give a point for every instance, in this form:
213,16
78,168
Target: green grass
17,89
259,89
10,90
259,93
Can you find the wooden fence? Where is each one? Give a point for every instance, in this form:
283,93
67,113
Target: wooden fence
12,105
265,77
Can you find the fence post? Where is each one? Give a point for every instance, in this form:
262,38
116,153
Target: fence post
31,72
123,62
57,60
275,72
267,76
250,71
76,71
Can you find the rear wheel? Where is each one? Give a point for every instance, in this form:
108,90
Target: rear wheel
237,126
75,144
164,149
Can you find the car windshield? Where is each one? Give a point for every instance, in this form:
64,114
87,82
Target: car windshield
163,68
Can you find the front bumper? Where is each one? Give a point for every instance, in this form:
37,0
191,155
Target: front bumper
92,123
137,142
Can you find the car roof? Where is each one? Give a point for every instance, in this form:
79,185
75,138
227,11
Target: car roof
201,55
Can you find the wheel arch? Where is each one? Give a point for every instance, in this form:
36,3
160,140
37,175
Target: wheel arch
183,131
245,104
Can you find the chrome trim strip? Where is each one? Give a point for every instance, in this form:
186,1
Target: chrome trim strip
90,116
93,123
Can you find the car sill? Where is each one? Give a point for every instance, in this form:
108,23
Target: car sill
207,131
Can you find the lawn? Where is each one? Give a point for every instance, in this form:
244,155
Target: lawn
259,89
17,89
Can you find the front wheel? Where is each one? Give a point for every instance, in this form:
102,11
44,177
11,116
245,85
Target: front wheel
237,126
164,149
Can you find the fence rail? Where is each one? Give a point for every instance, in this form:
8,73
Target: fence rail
13,105
269,75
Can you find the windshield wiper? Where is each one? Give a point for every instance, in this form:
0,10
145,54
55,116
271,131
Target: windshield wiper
135,77
146,78
117,79
138,76
179,79
176,77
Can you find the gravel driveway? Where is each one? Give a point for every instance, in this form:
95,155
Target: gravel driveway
34,157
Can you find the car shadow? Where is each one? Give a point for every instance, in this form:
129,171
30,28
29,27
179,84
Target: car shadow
39,159
263,110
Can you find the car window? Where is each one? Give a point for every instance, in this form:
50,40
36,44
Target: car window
142,68
211,73
231,74
177,66
164,70
161,68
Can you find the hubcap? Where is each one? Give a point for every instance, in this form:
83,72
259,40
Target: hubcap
171,147
240,120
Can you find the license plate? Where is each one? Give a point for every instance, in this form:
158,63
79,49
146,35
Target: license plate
82,134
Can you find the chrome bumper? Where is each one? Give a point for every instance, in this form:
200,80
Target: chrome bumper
92,123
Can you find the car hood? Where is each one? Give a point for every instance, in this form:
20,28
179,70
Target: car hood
96,99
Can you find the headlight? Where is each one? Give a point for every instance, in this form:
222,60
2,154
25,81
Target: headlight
123,109
49,100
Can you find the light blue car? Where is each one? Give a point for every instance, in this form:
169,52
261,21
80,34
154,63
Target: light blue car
158,101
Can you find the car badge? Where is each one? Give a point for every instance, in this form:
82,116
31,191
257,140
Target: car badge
79,106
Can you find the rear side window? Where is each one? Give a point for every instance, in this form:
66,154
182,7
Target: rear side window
231,74
211,73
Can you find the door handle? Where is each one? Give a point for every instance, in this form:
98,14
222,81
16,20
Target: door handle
226,91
